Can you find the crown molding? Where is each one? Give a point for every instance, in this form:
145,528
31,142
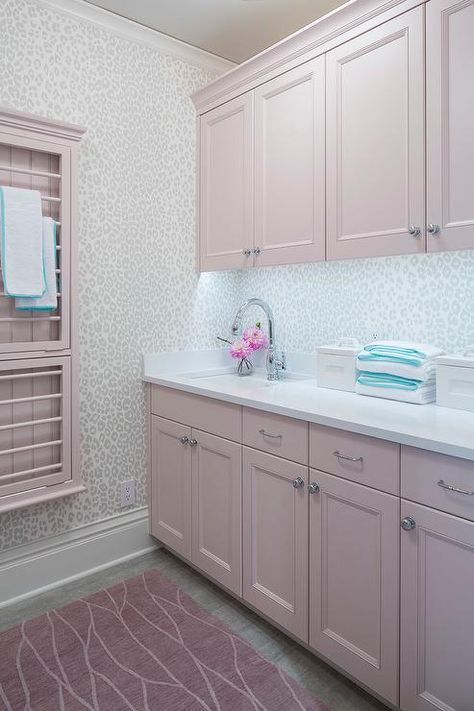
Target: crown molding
134,32
327,32
21,121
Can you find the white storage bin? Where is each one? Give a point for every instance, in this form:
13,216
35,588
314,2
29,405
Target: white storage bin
336,365
455,380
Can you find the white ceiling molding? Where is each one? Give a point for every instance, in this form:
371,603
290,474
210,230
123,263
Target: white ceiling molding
134,32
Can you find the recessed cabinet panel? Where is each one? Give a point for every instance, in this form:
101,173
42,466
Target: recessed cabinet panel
375,141
226,185
275,539
354,554
290,166
437,616
450,137
171,485
216,508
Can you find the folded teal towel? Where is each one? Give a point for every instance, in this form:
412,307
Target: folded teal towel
395,350
402,352
386,356
386,380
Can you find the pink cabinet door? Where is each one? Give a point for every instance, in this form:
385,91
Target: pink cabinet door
437,612
216,508
450,140
290,166
225,194
275,539
375,141
170,485
354,580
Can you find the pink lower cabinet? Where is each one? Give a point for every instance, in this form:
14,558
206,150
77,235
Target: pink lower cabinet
275,539
437,611
216,508
171,484
354,580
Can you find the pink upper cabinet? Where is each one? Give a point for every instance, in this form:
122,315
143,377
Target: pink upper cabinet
290,166
450,138
225,197
375,141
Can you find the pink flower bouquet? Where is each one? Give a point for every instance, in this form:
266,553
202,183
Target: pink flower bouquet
253,339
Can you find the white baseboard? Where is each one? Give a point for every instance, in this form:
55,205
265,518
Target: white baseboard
36,567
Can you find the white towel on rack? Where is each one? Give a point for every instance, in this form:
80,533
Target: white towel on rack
21,242
49,300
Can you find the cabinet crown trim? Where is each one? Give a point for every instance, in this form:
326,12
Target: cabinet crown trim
299,47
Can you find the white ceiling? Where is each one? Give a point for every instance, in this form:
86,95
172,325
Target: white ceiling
234,29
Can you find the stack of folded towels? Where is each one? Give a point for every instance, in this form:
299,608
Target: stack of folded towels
398,370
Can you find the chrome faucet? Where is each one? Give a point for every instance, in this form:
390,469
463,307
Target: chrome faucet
274,363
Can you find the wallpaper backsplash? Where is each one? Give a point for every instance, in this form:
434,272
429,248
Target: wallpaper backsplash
419,297
138,288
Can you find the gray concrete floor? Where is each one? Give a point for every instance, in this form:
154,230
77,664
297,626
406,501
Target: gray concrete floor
324,682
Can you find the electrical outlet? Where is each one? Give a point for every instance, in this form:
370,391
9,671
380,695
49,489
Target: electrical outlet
127,493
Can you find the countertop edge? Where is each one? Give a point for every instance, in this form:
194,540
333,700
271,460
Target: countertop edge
426,443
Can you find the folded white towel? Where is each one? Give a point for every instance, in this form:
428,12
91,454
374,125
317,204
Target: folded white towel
22,242
49,300
422,372
423,395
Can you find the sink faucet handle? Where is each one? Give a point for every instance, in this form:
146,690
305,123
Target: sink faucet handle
283,360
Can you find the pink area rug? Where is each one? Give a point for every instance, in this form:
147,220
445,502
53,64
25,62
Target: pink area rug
142,645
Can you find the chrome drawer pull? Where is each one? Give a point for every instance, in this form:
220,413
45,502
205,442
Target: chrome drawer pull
268,434
449,487
349,459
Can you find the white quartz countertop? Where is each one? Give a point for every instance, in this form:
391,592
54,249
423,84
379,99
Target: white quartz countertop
209,373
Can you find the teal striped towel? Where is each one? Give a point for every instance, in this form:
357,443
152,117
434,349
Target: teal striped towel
414,354
390,357
386,380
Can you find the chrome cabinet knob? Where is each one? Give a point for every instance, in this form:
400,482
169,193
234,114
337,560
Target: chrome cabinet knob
414,231
433,229
408,523
184,439
193,442
256,251
246,252
298,483
314,487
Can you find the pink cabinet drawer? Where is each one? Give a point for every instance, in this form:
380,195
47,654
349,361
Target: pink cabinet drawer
425,476
220,418
362,459
283,436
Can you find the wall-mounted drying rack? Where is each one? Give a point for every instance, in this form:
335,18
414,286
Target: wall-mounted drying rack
39,399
